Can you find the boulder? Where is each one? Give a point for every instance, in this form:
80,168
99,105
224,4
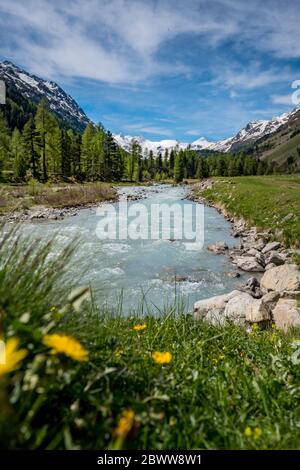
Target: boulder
235,309
258,311
271,246
271,299
275,258
282,278
212,309
269,266
252,252
244,308
259,244
286,314
248,263
218,247
233,274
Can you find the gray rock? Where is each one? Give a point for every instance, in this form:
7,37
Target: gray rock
253,252
286,314
233,274
258,311
275,258
235,309
282,278
218,247
271,246
212,309
248,263
252,283
271,299
269,266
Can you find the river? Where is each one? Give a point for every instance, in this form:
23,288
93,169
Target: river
140,274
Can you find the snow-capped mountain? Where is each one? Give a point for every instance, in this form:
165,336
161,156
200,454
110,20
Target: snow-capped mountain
252,132
146,145
35,88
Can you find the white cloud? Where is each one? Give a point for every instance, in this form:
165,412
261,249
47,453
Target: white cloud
282,99
193,132
119,41
148,129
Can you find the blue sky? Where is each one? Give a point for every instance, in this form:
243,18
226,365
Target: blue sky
165,69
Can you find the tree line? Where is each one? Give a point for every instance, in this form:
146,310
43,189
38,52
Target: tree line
41,148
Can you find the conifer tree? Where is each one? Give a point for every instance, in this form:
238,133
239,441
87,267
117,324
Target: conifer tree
178,168
31,143
17,151
4,144
45,123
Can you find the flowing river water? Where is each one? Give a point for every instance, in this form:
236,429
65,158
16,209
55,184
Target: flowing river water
144,274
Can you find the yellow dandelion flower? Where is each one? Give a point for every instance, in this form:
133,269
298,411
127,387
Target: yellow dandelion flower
248,431
162,357
63,344
125,424
140,327
12,356
257,433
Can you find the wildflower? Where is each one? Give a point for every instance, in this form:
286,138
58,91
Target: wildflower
67,345
257,433
125,424
248,431
140,327
12,356
221,357
119,352
162,357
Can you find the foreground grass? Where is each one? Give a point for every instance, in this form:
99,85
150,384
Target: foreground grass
268,202
23,197
212,388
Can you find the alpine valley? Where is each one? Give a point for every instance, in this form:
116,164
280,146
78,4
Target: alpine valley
276,140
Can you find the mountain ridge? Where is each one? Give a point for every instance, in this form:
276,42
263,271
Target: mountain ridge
252,132
35,88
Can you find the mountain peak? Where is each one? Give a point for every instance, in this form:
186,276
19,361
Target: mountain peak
35,88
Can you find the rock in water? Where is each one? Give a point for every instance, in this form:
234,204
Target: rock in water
218,247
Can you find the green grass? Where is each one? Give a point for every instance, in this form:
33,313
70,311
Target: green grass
263,201
220,382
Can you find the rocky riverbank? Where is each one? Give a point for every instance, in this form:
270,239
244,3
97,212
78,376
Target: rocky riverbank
39,212
271,296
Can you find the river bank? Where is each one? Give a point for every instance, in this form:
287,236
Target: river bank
38,201
273,295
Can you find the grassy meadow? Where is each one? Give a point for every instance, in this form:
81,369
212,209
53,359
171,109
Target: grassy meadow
77,377
268,202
